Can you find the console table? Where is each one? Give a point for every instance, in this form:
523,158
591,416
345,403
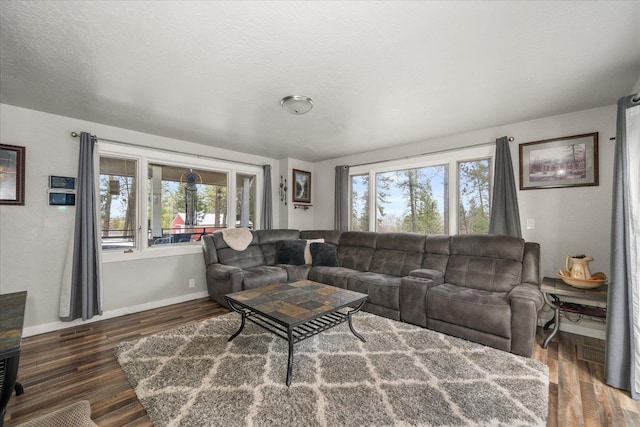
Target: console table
592,305
11,322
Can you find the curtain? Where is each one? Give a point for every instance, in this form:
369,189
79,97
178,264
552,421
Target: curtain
266,219
341,214
505,216
81,293
622,361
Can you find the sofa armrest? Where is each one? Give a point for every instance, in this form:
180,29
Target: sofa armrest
527,291
222,271
425,273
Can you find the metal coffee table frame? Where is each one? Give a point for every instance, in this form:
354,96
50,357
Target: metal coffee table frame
293,333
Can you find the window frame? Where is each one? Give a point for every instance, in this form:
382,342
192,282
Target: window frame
449,157
146,156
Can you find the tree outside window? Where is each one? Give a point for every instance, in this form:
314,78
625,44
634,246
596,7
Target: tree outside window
474,184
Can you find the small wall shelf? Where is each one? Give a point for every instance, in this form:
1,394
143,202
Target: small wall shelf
301,206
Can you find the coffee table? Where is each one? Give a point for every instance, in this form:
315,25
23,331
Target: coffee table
296,311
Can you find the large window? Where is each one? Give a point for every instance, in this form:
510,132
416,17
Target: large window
412,200
184,203
439,194
150,199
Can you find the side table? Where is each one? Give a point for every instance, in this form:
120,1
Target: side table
592,305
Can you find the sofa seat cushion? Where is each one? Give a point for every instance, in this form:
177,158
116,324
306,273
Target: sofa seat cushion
334,276
383,289
263,275
477,309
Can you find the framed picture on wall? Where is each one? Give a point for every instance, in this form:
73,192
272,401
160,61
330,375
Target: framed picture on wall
570,161
11,175
301,186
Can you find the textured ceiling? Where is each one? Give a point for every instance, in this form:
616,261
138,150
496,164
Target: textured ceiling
380,73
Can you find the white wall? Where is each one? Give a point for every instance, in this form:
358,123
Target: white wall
568,221
34,237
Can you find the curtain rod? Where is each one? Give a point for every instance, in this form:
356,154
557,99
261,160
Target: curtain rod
446,150
131,144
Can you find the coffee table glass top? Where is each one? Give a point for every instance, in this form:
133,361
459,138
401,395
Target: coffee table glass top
297,302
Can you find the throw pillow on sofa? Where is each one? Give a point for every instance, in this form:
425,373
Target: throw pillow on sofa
324,254
290,252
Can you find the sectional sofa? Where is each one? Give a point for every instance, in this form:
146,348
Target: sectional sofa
483,288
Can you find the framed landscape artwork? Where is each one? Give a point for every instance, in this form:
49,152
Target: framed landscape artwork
301,186
11,175
571,161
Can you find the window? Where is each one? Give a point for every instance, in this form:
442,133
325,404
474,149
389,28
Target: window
118,206
474,182
360,203
156,203
412,200
439,194
184,203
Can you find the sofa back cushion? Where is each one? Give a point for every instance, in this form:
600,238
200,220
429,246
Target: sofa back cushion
356,249
268,239
436,252
250,257
397,254
487,262
329,236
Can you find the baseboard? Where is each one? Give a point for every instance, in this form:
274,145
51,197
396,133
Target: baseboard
54,326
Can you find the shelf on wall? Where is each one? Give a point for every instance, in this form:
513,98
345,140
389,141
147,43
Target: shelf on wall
301,206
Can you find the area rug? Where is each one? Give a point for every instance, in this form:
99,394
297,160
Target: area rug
403,375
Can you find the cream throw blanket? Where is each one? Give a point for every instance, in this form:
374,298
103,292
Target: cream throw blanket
237,238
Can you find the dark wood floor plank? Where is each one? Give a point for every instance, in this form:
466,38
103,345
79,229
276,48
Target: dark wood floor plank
62,367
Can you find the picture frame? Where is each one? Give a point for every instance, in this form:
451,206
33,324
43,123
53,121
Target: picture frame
12,174
301,186
570,161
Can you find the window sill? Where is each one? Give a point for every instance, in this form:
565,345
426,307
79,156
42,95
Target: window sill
149,253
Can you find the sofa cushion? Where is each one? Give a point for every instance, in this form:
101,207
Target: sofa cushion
307,250
383,289
324,254
256,277
489,274
250,257
268,239
481,310
397,254
329,236
334,276
290,252
356,249
436,252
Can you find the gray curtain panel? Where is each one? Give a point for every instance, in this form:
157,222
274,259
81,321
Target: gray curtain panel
622,361
266,219
85,298
341,215
505,215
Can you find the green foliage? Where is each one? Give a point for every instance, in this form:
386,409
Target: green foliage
474,203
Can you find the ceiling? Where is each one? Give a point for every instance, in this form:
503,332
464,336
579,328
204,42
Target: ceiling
380,73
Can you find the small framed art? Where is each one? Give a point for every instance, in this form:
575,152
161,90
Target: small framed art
11,174
570,161
301,186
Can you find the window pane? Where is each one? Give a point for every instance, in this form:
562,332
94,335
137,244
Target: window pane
474,178
245,200
360,203
413,200
184,203
118,203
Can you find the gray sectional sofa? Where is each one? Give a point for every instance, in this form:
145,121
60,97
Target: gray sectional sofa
483,288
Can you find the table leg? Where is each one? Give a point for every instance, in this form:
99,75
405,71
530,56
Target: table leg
556,327
349,313
290,359
242,321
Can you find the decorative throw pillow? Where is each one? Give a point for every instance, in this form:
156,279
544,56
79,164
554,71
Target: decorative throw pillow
307,249
324,254
290,252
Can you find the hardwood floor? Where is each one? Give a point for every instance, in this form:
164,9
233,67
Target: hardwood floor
62,367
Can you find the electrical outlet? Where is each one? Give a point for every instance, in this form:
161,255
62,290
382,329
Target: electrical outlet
531,224
192,283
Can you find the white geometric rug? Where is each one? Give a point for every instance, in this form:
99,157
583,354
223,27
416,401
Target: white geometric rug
403,375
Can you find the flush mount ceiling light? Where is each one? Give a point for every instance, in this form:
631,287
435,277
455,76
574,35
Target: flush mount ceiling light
297,104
